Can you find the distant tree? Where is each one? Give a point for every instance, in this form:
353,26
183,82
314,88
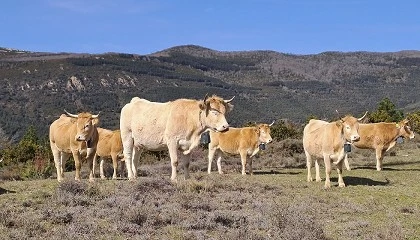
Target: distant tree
414,119
30,158
386,112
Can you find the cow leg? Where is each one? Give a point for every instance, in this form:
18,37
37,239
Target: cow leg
210,156
317,175
308,166
186,160
250,166
379,157
77,164
173,154
57,162
194,143
135,160
101,169
219,162
327,163
128,145
243,160
64,157
340,176
90,154
114,165
346,162
94,164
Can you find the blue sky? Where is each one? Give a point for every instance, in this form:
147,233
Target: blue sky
143,27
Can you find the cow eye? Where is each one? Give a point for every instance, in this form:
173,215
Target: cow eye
215,112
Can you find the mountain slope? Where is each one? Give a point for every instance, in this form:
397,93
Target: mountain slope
268,85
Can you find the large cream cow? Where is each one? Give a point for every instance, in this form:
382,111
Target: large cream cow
73,134
244,141
326,140
109,146
175,125
381,137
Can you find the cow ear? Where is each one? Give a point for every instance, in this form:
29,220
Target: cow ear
406,121
339,123
229,107
95,122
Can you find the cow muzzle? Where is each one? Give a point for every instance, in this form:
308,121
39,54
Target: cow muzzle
222,128
355,138
80,138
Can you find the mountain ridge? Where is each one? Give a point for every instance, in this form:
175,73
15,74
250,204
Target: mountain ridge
268,85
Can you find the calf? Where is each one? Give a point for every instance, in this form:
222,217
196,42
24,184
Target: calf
381,137
244,141
109,146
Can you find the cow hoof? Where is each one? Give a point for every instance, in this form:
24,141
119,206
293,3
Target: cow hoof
174,180
309,179
221,173
186,152
378,169
318,180
341,184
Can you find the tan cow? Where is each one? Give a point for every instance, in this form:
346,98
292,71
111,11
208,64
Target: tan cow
326,140
381,137
175,125
109,146
243,141
73,134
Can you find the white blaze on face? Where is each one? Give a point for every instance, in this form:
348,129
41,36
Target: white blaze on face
84,129
265,136
351,130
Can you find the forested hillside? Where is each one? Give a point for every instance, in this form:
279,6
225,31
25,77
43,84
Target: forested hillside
37,87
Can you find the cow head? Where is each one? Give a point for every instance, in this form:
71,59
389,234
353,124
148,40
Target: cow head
350,127
405,130
263,131
215,109
85,125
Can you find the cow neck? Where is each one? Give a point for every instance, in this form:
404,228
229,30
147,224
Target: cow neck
202,127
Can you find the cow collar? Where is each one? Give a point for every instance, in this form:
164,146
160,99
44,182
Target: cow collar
89,143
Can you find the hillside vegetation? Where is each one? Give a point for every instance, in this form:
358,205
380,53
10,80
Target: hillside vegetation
37,87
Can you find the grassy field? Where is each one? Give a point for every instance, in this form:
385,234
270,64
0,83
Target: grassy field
275,203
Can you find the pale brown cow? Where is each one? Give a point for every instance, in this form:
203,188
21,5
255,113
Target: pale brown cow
326,140
381,137
175,125
244,141
109,146
73,134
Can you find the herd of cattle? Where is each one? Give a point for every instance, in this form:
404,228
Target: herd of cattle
178,126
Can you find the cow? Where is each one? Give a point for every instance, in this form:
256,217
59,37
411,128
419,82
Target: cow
326,140
109,146
74,134
175,125
244,141
381,137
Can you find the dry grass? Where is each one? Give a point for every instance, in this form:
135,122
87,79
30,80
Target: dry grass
275,203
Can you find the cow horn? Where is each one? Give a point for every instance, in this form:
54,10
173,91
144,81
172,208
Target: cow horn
205,97
360,119
96,116
271,124
70,114
228,101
